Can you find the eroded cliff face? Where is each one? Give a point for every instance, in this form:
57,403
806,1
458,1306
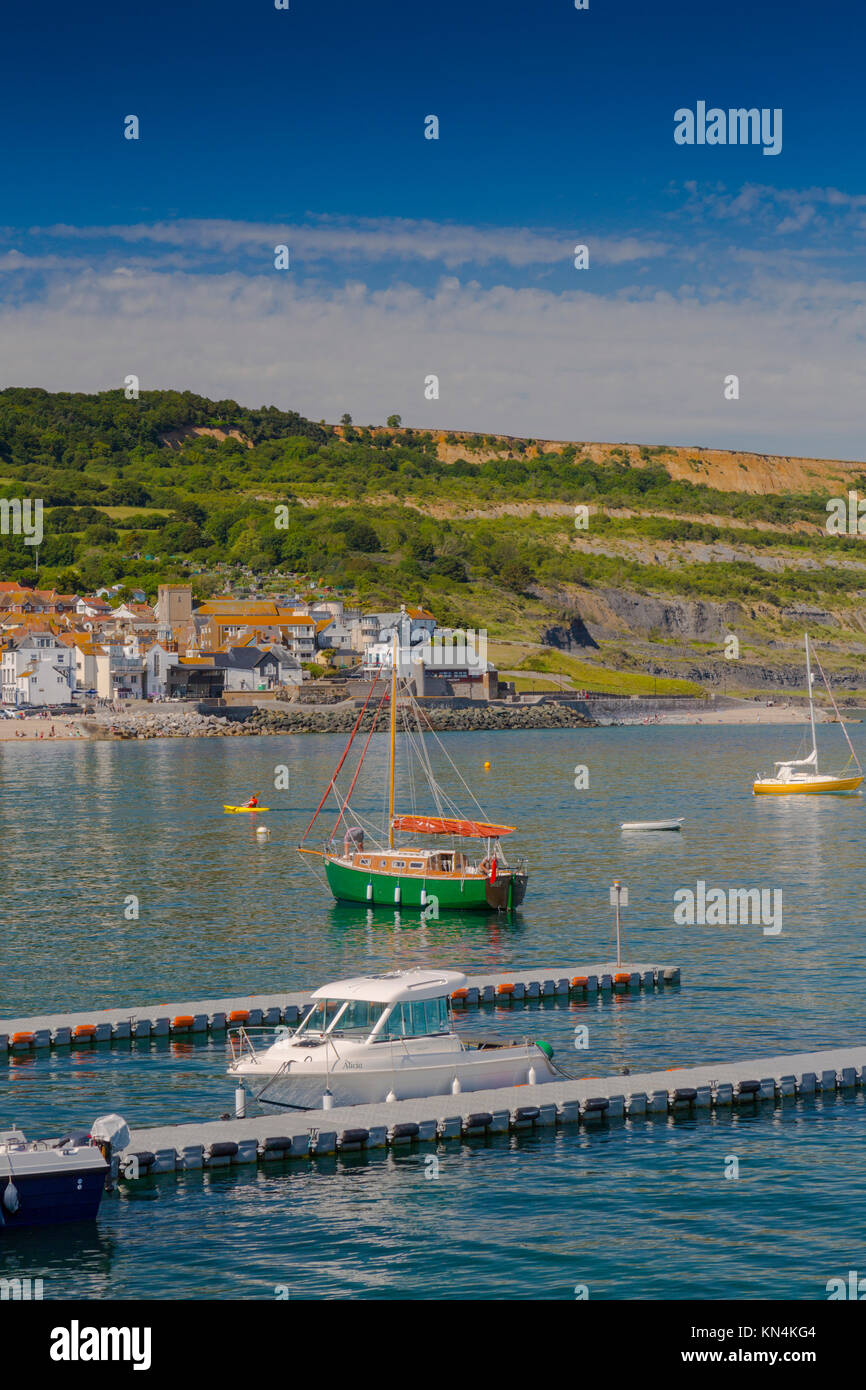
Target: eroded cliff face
726,469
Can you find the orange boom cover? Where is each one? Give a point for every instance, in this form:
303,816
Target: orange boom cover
442,825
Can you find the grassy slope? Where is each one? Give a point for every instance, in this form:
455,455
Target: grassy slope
479,528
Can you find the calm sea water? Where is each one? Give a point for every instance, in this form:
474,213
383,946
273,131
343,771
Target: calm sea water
634,1211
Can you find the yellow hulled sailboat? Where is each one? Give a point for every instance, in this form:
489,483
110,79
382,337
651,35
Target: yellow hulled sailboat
800,776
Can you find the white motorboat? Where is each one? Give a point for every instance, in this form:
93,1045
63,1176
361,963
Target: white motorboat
383,1037
653,824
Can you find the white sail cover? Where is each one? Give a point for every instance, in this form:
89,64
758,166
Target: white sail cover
811,761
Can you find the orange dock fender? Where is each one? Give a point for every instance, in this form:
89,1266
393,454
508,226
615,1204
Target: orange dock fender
84,1030
505,989
181,1023
238,1016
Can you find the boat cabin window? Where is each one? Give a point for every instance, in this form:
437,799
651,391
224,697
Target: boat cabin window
321,1016
416,863
359,1017
448,863
364,861
398,863
417,1019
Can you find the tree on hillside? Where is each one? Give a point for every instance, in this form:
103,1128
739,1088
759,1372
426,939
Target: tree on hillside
394,422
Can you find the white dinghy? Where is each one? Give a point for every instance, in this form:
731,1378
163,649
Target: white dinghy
383,1037
653,824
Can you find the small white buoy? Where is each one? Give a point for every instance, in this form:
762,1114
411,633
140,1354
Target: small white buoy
390,1097
456,1088
328,1100
262,832
532,1078
240,1103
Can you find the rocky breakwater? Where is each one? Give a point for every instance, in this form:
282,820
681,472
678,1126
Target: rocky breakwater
328,721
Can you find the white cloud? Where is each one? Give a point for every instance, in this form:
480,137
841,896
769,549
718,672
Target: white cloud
579,365
371,240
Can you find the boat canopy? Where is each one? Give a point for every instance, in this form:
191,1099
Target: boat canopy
445,825
395,986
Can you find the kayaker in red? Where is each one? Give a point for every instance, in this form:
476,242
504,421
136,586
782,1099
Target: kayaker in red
253,801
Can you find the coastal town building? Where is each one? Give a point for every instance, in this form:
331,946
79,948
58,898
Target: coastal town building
37,669
120,648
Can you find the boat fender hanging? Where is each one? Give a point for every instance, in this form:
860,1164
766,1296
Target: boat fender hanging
544,1046
10,1197
369,892
423,897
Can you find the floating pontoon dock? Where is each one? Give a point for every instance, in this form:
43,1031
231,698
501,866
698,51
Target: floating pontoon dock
270,1010
597,1100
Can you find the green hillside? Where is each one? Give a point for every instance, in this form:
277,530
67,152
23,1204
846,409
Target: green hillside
135,494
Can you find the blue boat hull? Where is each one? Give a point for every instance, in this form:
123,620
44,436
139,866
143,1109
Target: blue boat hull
47,1199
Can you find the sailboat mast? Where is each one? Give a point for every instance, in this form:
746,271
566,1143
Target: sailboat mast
811,702
393,742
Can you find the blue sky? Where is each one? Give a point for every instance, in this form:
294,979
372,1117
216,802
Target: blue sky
454,257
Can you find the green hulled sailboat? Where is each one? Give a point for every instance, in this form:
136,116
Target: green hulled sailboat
398,870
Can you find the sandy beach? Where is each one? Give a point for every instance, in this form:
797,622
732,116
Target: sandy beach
748,714
35,727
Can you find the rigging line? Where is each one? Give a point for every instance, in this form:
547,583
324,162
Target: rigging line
323,883
457,773
410,762
437,792
360,763
343,759
440,795
836,709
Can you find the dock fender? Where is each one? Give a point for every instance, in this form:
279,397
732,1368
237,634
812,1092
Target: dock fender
11,1200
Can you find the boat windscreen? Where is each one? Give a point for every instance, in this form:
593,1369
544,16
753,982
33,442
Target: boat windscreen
359,1017
321,1016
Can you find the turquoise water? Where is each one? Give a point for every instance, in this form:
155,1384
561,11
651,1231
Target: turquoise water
635,1211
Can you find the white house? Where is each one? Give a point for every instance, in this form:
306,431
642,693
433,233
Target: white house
288,668
334,634
37,670
158,661
93,607
118,676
